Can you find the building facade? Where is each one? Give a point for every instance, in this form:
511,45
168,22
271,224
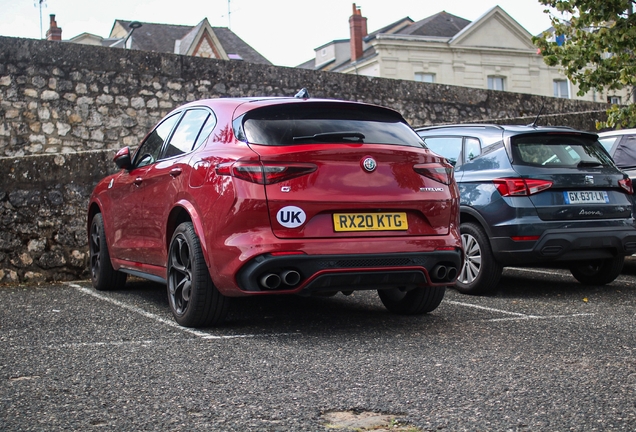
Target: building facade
493,52
201,40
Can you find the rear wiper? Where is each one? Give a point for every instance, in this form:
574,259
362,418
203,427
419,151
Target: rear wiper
328,136
590,164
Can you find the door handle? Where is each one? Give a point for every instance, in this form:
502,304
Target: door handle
138,181
175,172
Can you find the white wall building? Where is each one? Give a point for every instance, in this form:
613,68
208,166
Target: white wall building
493,52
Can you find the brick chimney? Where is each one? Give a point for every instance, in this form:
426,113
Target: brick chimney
54,32
358,30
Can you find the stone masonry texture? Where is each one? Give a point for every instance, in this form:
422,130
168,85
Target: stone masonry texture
66,108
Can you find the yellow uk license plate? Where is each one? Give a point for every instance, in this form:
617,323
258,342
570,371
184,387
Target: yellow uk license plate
344,222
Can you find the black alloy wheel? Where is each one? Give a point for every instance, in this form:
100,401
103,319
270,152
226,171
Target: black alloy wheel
193,298
103,276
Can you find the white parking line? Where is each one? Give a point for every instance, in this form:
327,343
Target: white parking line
528,317
202,335
565,275
545,272
486,308
517,315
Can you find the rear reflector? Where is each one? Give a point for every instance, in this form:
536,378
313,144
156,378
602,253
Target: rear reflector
627,185
441,172
520,186
445,248
525,238
285,253
265,173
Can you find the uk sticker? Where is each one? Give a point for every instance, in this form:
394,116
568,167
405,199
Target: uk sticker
291,217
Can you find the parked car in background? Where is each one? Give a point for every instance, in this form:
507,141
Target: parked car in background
533,195
621,145
267,196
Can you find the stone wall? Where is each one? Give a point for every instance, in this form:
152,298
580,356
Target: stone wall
59,97
64,108
43,203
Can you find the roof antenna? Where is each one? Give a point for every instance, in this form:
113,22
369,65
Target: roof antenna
302,94
534,123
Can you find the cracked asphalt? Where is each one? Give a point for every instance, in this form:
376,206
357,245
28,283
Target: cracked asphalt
545,353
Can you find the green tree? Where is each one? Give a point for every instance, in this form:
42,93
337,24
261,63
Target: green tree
595,45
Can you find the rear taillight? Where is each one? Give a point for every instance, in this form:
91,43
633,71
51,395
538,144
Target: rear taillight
520,186
440,172
265,173
626,185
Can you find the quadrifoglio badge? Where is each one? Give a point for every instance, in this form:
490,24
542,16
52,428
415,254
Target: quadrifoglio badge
291,217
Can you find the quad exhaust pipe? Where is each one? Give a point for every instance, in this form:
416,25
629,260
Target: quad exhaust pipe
272,281
441,273
290,278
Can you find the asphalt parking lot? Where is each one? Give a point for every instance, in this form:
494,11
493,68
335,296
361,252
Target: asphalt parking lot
545,353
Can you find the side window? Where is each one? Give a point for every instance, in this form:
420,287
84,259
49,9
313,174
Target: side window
625,155
448,147
608,142
205,131
187,132
150,149
472,149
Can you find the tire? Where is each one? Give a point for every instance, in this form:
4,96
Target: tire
597,272
103,275
480,273
415,302
193,298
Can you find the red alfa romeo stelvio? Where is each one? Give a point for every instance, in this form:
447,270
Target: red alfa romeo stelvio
287,195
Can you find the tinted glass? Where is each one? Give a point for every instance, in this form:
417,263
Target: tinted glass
206,130
473,149
449,147
625,155
608,142
295,124
185,136
559,150
150,149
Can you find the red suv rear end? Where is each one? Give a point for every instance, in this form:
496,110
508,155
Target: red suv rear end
279,196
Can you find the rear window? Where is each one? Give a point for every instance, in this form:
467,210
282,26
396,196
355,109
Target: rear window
294,124
560,151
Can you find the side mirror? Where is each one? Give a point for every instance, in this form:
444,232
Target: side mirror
122,158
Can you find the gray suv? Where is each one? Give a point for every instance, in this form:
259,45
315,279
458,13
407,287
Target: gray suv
535,195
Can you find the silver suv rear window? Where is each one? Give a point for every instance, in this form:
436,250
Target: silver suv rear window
560,150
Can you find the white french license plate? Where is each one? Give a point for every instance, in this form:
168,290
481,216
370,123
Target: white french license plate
586,197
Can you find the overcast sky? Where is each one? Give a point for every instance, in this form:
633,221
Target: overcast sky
284,31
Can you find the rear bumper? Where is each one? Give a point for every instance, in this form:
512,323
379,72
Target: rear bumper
351,272
566,245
